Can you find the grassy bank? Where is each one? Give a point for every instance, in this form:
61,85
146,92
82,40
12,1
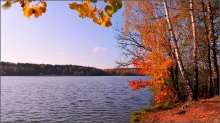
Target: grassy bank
204,110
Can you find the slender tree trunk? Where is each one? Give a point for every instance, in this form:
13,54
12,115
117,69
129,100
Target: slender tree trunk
211,86
177,81
211,37
172,77
174,82
174,73
177,54
195,52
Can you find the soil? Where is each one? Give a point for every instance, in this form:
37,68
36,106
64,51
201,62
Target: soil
206,110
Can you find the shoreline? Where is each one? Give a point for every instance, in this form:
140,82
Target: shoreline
204,110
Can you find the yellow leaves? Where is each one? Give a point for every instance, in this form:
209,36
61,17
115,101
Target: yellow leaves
85,9
106,23
99,17
115,4
73,5
7,4
104,19
27,10
36,10
109,10
87,1
43,6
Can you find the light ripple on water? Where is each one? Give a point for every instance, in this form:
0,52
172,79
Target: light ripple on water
69,99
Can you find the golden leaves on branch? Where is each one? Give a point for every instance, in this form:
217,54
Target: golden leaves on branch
28,9
86,10
7,4
36,10
113,7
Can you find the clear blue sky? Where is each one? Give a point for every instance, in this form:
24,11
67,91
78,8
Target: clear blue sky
58,37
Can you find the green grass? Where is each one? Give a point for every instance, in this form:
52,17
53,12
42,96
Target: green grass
135,116
159,107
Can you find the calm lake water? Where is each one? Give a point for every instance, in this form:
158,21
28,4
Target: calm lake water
70,99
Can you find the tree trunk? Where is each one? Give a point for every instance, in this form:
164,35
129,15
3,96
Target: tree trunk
211,86
177,81
195,64
210,83
177,54
172,77
211,37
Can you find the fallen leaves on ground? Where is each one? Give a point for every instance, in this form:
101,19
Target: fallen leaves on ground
206,110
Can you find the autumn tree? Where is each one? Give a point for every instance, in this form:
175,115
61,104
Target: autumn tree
178,30
198,31
194,40
149,20
146,35
177,54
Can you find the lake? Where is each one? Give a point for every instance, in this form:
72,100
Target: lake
105,99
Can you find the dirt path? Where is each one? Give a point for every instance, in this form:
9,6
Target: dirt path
198,111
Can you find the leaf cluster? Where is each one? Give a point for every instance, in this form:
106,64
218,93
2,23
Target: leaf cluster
85,9
36,10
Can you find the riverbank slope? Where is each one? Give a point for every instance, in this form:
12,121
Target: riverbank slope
205,110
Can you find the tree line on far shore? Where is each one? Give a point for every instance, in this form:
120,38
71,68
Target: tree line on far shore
29,69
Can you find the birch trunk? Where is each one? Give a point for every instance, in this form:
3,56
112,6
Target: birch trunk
195,52
211,37
177,54
211,85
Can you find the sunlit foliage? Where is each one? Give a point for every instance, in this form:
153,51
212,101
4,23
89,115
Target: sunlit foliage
156,60
167,46
85,9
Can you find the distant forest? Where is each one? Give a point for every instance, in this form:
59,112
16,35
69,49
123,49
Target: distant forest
29,69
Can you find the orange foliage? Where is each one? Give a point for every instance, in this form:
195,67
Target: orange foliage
164,94
156,66
156,61
37,10
137,84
